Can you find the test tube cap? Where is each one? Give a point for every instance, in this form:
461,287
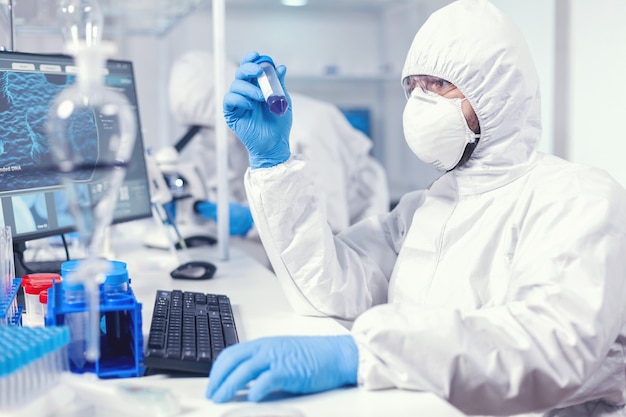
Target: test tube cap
264,58
69,266
41,279
33,289
43,297
116,276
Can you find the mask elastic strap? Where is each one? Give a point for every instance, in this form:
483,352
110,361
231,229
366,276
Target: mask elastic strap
476,135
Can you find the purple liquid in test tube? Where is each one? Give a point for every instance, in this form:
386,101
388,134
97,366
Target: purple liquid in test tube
270,86
278,104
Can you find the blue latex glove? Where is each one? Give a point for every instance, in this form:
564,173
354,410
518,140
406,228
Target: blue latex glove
240,218
264,134
294,364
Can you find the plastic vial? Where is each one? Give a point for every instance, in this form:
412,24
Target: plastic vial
116,281
270,86
33,315
43,300
33,285
77,321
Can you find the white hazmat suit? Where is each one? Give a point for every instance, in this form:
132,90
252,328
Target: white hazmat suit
502,287
353,182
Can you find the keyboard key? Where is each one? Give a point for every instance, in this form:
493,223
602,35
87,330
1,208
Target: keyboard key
204,356
156,341
230,334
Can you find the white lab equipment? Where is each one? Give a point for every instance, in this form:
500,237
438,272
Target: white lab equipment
160,195
185,186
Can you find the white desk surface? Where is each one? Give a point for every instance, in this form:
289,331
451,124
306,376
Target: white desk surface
260,309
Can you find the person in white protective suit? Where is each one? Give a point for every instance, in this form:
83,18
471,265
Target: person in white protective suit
500,288
353,182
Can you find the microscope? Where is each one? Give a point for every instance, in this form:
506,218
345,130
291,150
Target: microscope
175,187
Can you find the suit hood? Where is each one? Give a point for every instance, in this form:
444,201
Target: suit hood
479,49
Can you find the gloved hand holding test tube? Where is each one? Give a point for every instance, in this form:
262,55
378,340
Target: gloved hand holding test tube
263,132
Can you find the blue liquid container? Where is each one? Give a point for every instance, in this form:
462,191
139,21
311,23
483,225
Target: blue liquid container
270,86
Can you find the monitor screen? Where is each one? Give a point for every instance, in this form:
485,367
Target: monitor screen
35,204
359,118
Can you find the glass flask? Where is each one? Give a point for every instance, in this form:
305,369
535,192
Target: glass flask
91,132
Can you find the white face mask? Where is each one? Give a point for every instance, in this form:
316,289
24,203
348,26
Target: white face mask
435,129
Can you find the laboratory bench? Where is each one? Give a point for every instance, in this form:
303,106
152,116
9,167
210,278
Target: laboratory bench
260,309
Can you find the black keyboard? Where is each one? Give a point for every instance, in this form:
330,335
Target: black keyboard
188,331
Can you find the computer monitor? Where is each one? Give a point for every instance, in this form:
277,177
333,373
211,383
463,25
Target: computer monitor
359,118
34,204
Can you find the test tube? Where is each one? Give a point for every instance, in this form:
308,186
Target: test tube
43,300
115,288
116,281
8,305
77,321
270,86
5,289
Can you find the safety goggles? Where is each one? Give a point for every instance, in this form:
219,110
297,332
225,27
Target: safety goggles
428,84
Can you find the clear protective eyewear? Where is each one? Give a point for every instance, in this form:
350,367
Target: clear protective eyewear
428,84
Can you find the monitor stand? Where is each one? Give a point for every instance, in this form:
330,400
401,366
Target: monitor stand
22,267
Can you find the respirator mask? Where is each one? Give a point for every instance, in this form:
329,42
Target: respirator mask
435,128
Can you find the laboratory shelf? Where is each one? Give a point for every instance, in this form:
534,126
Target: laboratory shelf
136,17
